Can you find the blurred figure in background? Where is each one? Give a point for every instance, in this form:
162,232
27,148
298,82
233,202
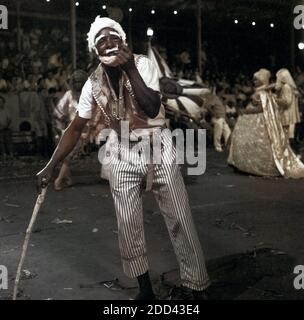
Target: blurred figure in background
3,83
5,132
65,113
231,113
50,81
220,127
287,98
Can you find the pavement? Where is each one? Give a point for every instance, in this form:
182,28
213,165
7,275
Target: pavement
251,230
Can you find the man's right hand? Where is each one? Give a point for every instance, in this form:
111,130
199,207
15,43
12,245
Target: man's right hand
44,177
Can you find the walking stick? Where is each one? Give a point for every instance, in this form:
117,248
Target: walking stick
38,204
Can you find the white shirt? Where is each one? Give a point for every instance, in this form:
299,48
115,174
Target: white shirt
67,106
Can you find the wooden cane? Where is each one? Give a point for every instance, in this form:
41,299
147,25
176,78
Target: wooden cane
38,204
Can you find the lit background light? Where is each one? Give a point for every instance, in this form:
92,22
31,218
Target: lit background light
253,23
152,11
150,32
301,46
104,7
175,11
236,21
271,25
130,9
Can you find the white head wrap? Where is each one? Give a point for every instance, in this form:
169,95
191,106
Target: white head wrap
284,76
99,24
263,75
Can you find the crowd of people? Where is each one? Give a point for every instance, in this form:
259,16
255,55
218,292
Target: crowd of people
33,78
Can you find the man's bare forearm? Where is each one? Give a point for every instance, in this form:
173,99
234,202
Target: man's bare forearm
68,141
147,99
66,144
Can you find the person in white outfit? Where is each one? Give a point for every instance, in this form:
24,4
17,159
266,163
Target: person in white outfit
220,127
287,98
65,112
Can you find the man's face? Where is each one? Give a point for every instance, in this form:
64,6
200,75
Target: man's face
107,39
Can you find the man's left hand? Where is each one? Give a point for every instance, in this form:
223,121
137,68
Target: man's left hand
125,58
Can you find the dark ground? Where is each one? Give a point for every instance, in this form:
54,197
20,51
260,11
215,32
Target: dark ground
251,230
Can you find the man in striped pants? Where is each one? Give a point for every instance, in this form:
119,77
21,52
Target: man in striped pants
125,88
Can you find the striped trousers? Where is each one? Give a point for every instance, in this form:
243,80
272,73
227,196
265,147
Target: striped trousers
125,177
